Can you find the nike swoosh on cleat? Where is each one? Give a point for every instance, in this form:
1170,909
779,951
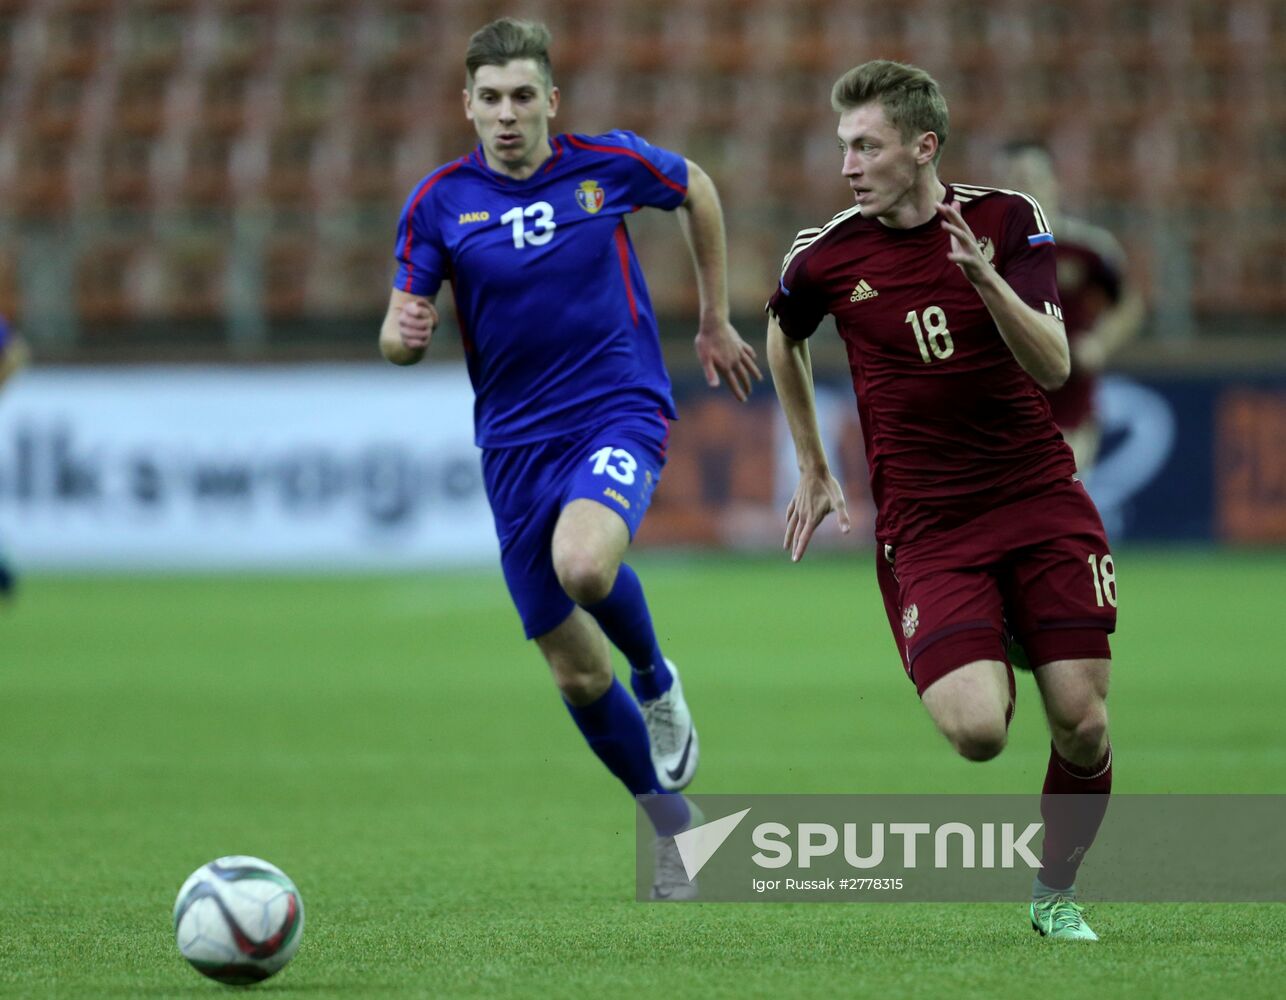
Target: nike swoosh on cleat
677,773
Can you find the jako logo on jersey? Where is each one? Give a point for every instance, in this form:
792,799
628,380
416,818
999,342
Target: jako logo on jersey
862,291
987,247
590,196
910,620
612,494
467,217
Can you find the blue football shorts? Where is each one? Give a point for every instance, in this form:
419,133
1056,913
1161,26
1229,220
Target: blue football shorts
617,464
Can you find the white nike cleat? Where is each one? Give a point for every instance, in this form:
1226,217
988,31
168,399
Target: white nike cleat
672,735
670,882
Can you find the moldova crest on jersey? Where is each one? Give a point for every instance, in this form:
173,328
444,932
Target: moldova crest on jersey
590,196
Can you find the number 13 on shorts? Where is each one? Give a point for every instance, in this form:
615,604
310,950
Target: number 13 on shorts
615,462
621,479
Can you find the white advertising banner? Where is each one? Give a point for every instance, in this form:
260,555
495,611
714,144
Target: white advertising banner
315,467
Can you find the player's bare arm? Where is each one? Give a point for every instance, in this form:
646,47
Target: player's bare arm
1038,342
818,493
720,348
408,327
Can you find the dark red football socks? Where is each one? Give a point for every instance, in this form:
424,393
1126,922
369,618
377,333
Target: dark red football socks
1072,805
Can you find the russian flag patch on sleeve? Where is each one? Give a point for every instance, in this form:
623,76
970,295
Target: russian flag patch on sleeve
1040,238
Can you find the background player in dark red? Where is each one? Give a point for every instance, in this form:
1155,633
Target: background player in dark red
945,298
1100,309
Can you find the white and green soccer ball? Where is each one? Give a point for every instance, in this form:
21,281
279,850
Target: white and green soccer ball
238,919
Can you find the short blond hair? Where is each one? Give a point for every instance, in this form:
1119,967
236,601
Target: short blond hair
912,101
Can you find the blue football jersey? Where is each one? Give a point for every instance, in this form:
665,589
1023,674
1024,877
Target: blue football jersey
557,324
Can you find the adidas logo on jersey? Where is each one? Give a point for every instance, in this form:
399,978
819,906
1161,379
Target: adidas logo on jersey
862,291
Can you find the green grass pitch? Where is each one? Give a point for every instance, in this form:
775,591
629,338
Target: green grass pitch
393,744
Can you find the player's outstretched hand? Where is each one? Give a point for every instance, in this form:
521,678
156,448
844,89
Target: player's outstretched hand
722,352
964,245
416,322
816,496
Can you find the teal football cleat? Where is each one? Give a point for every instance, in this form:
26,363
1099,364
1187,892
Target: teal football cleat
1061,919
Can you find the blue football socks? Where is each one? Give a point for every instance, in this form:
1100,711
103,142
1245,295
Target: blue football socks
625,619
614,729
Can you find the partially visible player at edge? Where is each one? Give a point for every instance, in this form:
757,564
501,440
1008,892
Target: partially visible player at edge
13,356
1101,310
945,298
573,402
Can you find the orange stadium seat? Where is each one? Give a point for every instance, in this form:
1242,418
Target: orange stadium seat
193,280
224,93
373,171
246,34
125,171
390,93
140,98
58,102
395,32
288,259
318,33
311,95
1265,277
153,32
207,177
352,277
10,284
43,184
291,152
106,273
75,34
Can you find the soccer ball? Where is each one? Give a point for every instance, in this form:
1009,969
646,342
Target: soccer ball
238,920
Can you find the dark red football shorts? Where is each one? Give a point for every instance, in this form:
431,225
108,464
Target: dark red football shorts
1037,570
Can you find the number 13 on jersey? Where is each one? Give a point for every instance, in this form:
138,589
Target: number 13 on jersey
937,343
541,215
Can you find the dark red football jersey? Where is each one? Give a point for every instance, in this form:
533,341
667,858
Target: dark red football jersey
953,425
1090,264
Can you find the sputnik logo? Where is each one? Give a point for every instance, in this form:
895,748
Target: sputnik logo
697,845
